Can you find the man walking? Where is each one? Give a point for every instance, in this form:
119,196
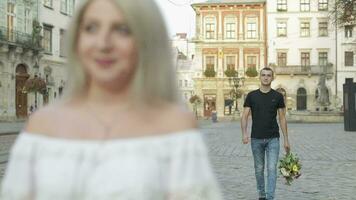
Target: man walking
263,104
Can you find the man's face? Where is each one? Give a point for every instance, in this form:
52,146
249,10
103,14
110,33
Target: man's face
266,77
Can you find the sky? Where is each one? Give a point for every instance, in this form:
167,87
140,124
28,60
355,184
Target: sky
179,15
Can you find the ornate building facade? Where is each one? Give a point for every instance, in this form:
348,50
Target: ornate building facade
302,52
31,48
230,37
20,51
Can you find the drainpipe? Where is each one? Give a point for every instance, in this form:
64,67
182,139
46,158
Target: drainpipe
336,60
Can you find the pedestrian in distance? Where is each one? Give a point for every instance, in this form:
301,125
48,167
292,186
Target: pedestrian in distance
120,131
264,104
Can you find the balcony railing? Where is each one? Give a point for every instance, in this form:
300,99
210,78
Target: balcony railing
303,70
20,38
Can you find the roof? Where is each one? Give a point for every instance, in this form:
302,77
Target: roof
233,2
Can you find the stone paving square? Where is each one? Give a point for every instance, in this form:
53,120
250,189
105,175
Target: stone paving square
327,153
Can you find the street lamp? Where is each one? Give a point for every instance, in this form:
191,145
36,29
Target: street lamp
236,82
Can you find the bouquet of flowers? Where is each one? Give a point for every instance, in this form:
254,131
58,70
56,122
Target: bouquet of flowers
290,167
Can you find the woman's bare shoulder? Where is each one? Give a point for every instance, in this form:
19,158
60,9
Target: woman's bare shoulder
177,118
45,120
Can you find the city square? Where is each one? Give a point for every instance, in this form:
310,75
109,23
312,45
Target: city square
211,55
326,151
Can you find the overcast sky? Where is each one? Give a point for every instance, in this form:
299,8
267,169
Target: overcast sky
179,15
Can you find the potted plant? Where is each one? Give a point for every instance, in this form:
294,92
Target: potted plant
251,72
209,72
230,72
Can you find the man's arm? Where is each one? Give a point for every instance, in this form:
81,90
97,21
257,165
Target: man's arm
283,124
244,120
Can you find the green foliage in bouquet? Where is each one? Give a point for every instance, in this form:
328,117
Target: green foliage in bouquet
290,167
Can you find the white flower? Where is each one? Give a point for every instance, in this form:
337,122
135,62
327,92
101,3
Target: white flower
284,172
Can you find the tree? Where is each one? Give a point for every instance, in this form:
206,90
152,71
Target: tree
36,85
343,13
195,100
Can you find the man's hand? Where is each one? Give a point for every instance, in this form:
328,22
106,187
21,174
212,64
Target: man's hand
245,139
286,146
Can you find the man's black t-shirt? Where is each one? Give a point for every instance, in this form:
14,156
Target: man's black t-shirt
264,108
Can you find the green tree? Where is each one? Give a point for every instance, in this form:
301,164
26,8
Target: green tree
195,100
35,85
343,13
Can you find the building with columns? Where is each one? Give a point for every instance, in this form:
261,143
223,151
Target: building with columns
54,18
346,57
31,45
302,52
230,36
20,50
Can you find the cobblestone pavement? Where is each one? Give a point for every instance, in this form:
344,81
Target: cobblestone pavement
10,127
6,142
328,155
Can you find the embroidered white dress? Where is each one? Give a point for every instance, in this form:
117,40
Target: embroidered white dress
169,167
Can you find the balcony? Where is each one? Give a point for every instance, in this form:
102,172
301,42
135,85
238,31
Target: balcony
304,70
18,38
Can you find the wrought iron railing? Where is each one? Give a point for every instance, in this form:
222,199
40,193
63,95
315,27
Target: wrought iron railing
20,38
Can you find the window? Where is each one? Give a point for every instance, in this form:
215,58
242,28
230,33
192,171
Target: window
323,5
48,3
281,5
67,7
210,28
304,29
323,29
304,5
348,31
62,43
251,61
210,62
28,21
10,20
282,59
349,58
230,27
323,58
185,83
230,31
251,30
230,62
305,59
281,29
47,38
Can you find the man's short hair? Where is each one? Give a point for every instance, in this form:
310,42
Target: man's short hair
267,69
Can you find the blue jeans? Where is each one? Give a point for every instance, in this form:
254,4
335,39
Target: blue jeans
260,148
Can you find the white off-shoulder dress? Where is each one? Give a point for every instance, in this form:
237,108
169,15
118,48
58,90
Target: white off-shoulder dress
173,166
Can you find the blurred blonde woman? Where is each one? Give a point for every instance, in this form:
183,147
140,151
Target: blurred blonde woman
120,132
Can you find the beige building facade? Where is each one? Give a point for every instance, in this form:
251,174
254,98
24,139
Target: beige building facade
230,36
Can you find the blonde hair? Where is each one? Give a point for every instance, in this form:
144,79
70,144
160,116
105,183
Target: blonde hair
154,78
